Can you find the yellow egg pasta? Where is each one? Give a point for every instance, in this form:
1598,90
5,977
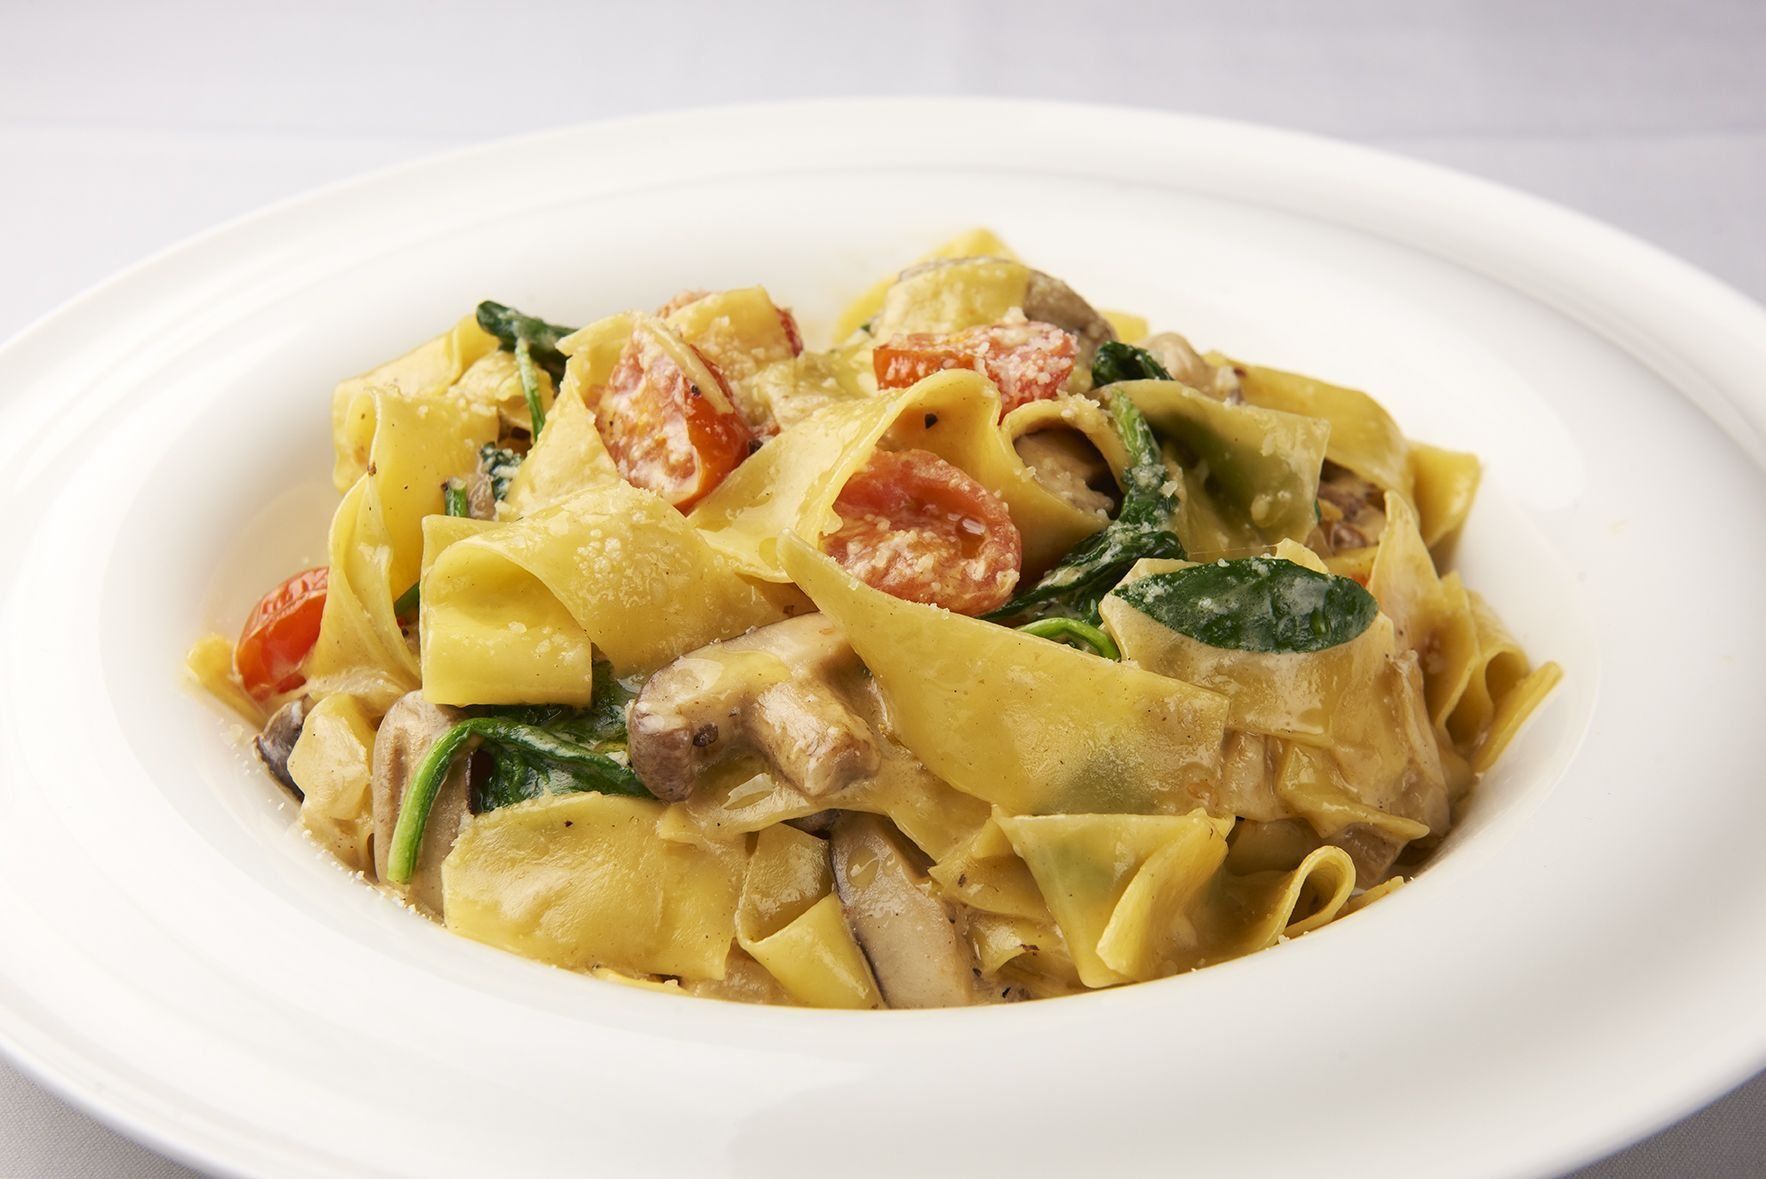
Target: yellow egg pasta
1000,649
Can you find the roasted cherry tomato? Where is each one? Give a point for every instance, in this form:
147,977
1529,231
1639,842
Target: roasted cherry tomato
691,295
279,633
795,337
666,430
787,321
1025,361
918,528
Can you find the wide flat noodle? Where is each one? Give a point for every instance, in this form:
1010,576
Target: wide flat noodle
376,544
613,565
334,761
741,332
986,874
1445,484
744,981
1501,692
1364,438
583,880
1083,863
1282,695
972,292
425,371
1173,917
822,379
1129,327
494,379
791,483
1077,414
1479,684
790,922
568,457
1139,897
973,243
1359,703
931,814
1250,474
1031,726
210,664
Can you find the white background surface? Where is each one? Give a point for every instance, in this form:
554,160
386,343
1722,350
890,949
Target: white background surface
124,127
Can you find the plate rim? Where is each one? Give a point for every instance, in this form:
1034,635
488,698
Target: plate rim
117,1102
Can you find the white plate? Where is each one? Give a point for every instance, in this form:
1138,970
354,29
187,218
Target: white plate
1584,962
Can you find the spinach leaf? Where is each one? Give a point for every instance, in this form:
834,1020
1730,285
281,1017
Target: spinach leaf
499,464
533,750
534,342
1116,361
1255,604
510,327
1074,633
529,761
407,604
1143,528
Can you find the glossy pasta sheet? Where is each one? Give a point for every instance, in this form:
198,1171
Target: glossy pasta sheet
544,705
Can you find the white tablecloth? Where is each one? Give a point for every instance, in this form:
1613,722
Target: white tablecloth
124,127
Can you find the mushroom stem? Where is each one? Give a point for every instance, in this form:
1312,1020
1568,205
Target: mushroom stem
771,693
917,952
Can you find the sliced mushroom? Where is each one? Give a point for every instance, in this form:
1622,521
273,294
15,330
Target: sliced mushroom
481,500
1373,851
1046,300
1065,462
1185,364
1049,300
405,735
916,949
771,693
819,823
1351,510
277,740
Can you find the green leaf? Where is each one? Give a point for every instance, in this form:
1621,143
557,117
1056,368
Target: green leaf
540,749
1116,361
533,751
407,604
510,326
529,761
455,501
1142,528
499,464
419,800
1074,633
1255,604
534,342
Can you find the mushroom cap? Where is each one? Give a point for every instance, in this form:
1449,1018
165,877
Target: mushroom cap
770,692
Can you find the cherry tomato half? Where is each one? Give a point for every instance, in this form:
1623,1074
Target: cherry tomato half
918,528
279,632
1025,361
666,432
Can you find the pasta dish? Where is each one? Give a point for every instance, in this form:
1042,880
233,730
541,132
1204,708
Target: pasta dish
1004,649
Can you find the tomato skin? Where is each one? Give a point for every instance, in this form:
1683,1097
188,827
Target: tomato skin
666,434
1026,361
686,297
280,632
920,529
792,335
